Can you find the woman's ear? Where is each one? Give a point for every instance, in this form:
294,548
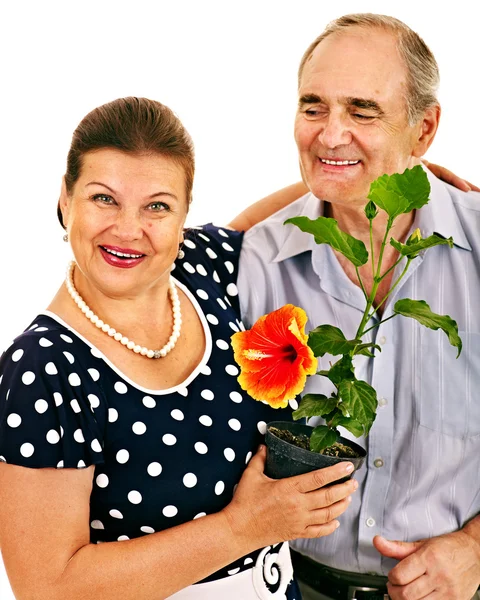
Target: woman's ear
63,204
427,130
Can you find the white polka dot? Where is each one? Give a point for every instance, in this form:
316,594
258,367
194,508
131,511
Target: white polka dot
94,400
207,394
212,319
95,446
201,448
227,247
14,420
231,370
211,253
64,337
97,524
222,303
262,427
170,511
234,571
116,514
227,301
3,459
69,357
189,480
61,431
139,428
112,415
147,529
94,374
236,397
33,326
188,267
177,414
78,436
17,355
169,439
183,391
154,469
122,456
120,387
222,344
248,457
204,237
53,437
229,454
44,343
230,267
201,270
233,326
102,480
235,424
232,289
122,538
58,398
200,515
219,488
74,380
28,377
8,391
202,294
27,450
41,406
248,561
206,370
205,420
216,277
60,464
96,352
190,244
75,406
293,404
149,402
223,233
134,497
81,464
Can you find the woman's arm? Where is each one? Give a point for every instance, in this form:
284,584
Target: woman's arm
274,202
44,533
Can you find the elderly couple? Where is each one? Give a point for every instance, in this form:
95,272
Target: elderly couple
130,464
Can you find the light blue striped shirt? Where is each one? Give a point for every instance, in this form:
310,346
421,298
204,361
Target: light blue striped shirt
422,476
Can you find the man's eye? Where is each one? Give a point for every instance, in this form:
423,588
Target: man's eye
314,113
363,117
103,199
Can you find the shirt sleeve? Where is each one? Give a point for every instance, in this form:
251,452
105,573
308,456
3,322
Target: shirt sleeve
51,410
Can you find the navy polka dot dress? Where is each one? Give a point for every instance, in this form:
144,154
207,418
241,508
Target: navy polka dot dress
162,457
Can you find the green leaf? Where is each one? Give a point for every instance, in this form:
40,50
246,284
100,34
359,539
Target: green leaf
314,405
397,194
326,231
328,339
322,437
363,349
413,249
350,425
421,312
342,369
360,400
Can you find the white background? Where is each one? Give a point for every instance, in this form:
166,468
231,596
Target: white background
228,69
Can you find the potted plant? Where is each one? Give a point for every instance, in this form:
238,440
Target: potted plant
276,356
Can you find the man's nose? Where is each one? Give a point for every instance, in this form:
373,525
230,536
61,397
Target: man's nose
335,132
128,225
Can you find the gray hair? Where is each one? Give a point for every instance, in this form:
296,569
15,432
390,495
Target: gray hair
423,76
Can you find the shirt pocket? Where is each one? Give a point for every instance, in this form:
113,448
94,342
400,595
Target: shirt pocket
449,387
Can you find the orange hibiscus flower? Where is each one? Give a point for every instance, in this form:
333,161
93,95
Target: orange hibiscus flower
274,357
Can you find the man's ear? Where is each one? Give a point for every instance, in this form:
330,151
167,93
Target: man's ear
63,204
427,129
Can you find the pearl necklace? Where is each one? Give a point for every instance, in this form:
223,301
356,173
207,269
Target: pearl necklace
116,335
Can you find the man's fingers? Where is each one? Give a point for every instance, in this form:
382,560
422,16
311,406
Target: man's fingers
317,479
395,549
418,588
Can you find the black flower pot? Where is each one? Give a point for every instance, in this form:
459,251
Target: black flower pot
285,459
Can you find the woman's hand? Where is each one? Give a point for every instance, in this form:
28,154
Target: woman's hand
445,175
276,510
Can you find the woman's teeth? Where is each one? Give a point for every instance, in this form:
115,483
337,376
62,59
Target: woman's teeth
121,254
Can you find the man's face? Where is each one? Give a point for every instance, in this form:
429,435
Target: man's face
351,125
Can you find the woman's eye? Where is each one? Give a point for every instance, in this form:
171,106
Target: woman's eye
158,207
103,199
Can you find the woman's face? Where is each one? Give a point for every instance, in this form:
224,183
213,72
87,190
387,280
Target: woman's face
125,218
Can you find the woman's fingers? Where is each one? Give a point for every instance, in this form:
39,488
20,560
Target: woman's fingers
321,477
330,495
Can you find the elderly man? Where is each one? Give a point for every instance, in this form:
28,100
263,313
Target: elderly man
367,106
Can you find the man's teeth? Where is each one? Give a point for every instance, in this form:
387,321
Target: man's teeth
122,254
339,162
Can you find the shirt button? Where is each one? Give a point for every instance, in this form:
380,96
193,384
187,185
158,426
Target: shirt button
378,462
382,402
370,522
383,340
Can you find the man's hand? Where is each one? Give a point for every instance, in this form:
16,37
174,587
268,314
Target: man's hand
446,567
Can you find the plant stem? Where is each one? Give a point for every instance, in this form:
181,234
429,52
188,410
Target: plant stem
361,283
409,260
372,251
391,268
379,323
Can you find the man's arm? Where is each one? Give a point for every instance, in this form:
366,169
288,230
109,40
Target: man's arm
274,202
446,567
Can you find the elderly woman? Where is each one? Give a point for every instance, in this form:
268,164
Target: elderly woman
123,430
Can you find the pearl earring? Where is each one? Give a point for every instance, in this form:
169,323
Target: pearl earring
181,254
65,237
